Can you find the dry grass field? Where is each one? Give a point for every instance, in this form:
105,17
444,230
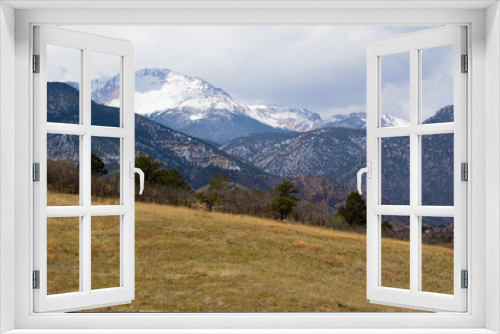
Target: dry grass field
195,261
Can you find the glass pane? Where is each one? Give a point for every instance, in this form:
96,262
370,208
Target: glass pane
437,254
63,255
105,167
437,84
395,90
63,177
105,252
395,160
437,169
63,81
395,251
105,87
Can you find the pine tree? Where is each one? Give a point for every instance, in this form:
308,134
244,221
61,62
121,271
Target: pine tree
218,182
285,199
154,175
149,165
171,178
209,199
97,165
354,210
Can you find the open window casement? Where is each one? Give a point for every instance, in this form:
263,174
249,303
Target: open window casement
408,145
77,135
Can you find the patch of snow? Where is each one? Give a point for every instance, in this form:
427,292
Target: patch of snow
287,118
196,117
391,121
162,89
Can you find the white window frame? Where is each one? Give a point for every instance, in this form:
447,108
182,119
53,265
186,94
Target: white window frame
412,44
483,21
86,297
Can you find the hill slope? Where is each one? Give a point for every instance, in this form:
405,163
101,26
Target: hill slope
212,262
315,152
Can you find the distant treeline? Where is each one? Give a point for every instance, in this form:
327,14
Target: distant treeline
167,186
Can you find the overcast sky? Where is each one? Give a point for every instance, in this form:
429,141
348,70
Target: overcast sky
322,68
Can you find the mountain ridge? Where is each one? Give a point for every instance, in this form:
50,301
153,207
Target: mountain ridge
193,106
196,159
325,159
339,152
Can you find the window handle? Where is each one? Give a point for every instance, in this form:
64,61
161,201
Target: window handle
368,171
133,170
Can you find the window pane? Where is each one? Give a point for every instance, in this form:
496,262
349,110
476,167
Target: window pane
437,169
437,84
63,255
395,90
437,254
395,160
63,172
105,87
105,252
395,253
105,167
63,84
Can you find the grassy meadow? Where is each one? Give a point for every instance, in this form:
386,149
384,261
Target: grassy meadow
189,260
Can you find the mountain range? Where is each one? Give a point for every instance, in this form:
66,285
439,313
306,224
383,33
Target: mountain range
357,120
318,152
197,108
194,158
339,152
182,120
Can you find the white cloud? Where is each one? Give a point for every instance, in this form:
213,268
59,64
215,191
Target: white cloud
396,100
63,64
319,68
437,79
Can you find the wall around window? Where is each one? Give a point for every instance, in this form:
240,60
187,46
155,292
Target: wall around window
492,163
7,159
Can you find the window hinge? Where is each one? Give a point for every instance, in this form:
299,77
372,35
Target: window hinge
36,63
465,279
36,279
465,64
36,172
464,171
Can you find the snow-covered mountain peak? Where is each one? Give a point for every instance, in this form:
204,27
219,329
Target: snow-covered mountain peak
163,90
357,120
391,121
150,79
287,118
194,106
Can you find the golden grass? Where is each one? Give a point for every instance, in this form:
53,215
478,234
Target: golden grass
105,252
395,252
63,257
194,261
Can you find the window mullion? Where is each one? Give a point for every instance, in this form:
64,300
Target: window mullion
86,256
414,171
86,120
